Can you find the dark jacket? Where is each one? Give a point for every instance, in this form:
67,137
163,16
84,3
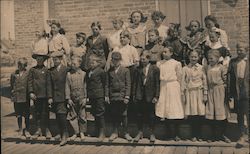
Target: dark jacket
39,82
151,88
118,84
19,86
58,79
96,83
99,48
234,87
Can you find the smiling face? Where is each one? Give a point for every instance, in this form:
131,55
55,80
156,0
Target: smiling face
213,37
212,59
193,57
136,18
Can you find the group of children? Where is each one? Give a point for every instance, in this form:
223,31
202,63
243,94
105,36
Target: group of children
169,78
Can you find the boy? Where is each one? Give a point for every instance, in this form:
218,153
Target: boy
129,53
75,91
96,78
58,76
239,87
118,85
19,89
39,89
146,93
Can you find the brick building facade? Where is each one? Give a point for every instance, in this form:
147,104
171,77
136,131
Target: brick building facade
77,15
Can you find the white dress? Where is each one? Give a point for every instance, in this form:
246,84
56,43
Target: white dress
169,104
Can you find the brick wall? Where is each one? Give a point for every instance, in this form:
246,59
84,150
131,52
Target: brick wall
77,15
28,17
233,19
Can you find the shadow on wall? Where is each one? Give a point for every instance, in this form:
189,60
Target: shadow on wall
5,91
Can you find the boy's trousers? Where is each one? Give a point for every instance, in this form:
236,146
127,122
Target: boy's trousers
42,112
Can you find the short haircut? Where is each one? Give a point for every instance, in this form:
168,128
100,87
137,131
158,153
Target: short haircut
22,61
126,33
154,30
214,52
97,24
243,45
157,14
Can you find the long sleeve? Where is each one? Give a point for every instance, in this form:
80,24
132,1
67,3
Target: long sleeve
157,82
30,81
67,87
106,47
108,62
183,81
66,45
103,80
136,57
135,77
179,72
85,87
49,84
204,80
127,83
107,85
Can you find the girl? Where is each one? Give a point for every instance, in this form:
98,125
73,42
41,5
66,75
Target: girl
212,24
138,30
114,38
58,42
19,89
194,40
153,46
79,49
158,17
173,40
215,43
96,45
40,44
169,105
194,92
216,109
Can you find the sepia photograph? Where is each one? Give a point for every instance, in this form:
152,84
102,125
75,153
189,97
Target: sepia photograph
124,76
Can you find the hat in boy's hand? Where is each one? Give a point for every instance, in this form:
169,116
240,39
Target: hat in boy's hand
116,56
56,54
